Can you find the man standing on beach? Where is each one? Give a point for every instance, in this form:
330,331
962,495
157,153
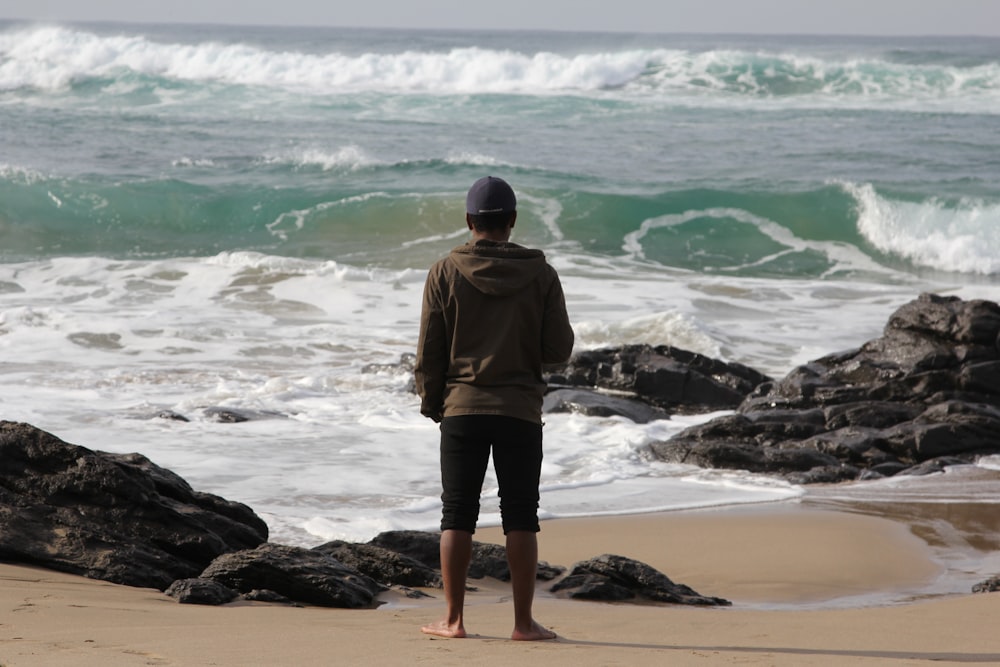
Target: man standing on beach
493,314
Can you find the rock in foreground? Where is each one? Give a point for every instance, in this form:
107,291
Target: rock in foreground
611,578
298,574
115,517
123,519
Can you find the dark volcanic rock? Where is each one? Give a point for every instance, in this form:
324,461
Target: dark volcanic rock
200,591
265,595
411,593
407,362
991,585
226,416
419,545
924,395
488,560
616,578
171,416
301,575
116,517
663,376
383,565
231,416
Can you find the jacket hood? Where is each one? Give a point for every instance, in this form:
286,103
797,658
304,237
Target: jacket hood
498,269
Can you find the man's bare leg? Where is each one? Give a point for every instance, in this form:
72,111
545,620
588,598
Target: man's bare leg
522,557
456,552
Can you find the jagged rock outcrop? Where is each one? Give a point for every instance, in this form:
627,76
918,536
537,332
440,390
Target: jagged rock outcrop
664,377
924,395
612,578
116,517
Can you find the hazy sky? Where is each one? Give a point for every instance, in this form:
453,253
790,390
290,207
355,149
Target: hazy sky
870,17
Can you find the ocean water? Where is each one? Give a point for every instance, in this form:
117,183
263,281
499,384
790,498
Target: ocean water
196,218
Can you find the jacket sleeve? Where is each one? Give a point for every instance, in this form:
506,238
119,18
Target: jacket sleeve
431,366
557,334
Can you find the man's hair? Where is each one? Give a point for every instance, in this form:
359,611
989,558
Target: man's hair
491,222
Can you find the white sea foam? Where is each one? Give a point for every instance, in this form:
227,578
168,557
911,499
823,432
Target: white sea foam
665,328
349,157
963,237
548,211
990,462
464,157
20,174
98,348
193,162
52,58
965,484
454,236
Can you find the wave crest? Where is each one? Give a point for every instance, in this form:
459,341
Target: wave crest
53,58
963,237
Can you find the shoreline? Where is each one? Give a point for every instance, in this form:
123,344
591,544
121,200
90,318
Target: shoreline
778,555
810,586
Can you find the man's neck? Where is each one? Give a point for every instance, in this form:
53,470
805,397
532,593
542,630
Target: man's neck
497,237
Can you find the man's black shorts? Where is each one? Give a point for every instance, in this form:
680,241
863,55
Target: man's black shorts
466,442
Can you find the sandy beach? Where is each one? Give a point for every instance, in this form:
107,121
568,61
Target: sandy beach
809,586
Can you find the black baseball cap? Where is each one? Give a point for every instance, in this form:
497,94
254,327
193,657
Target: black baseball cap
490,195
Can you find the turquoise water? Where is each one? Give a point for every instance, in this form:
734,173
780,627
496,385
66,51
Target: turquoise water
139,141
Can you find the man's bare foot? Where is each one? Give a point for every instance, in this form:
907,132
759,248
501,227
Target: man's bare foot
445,629
535,633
